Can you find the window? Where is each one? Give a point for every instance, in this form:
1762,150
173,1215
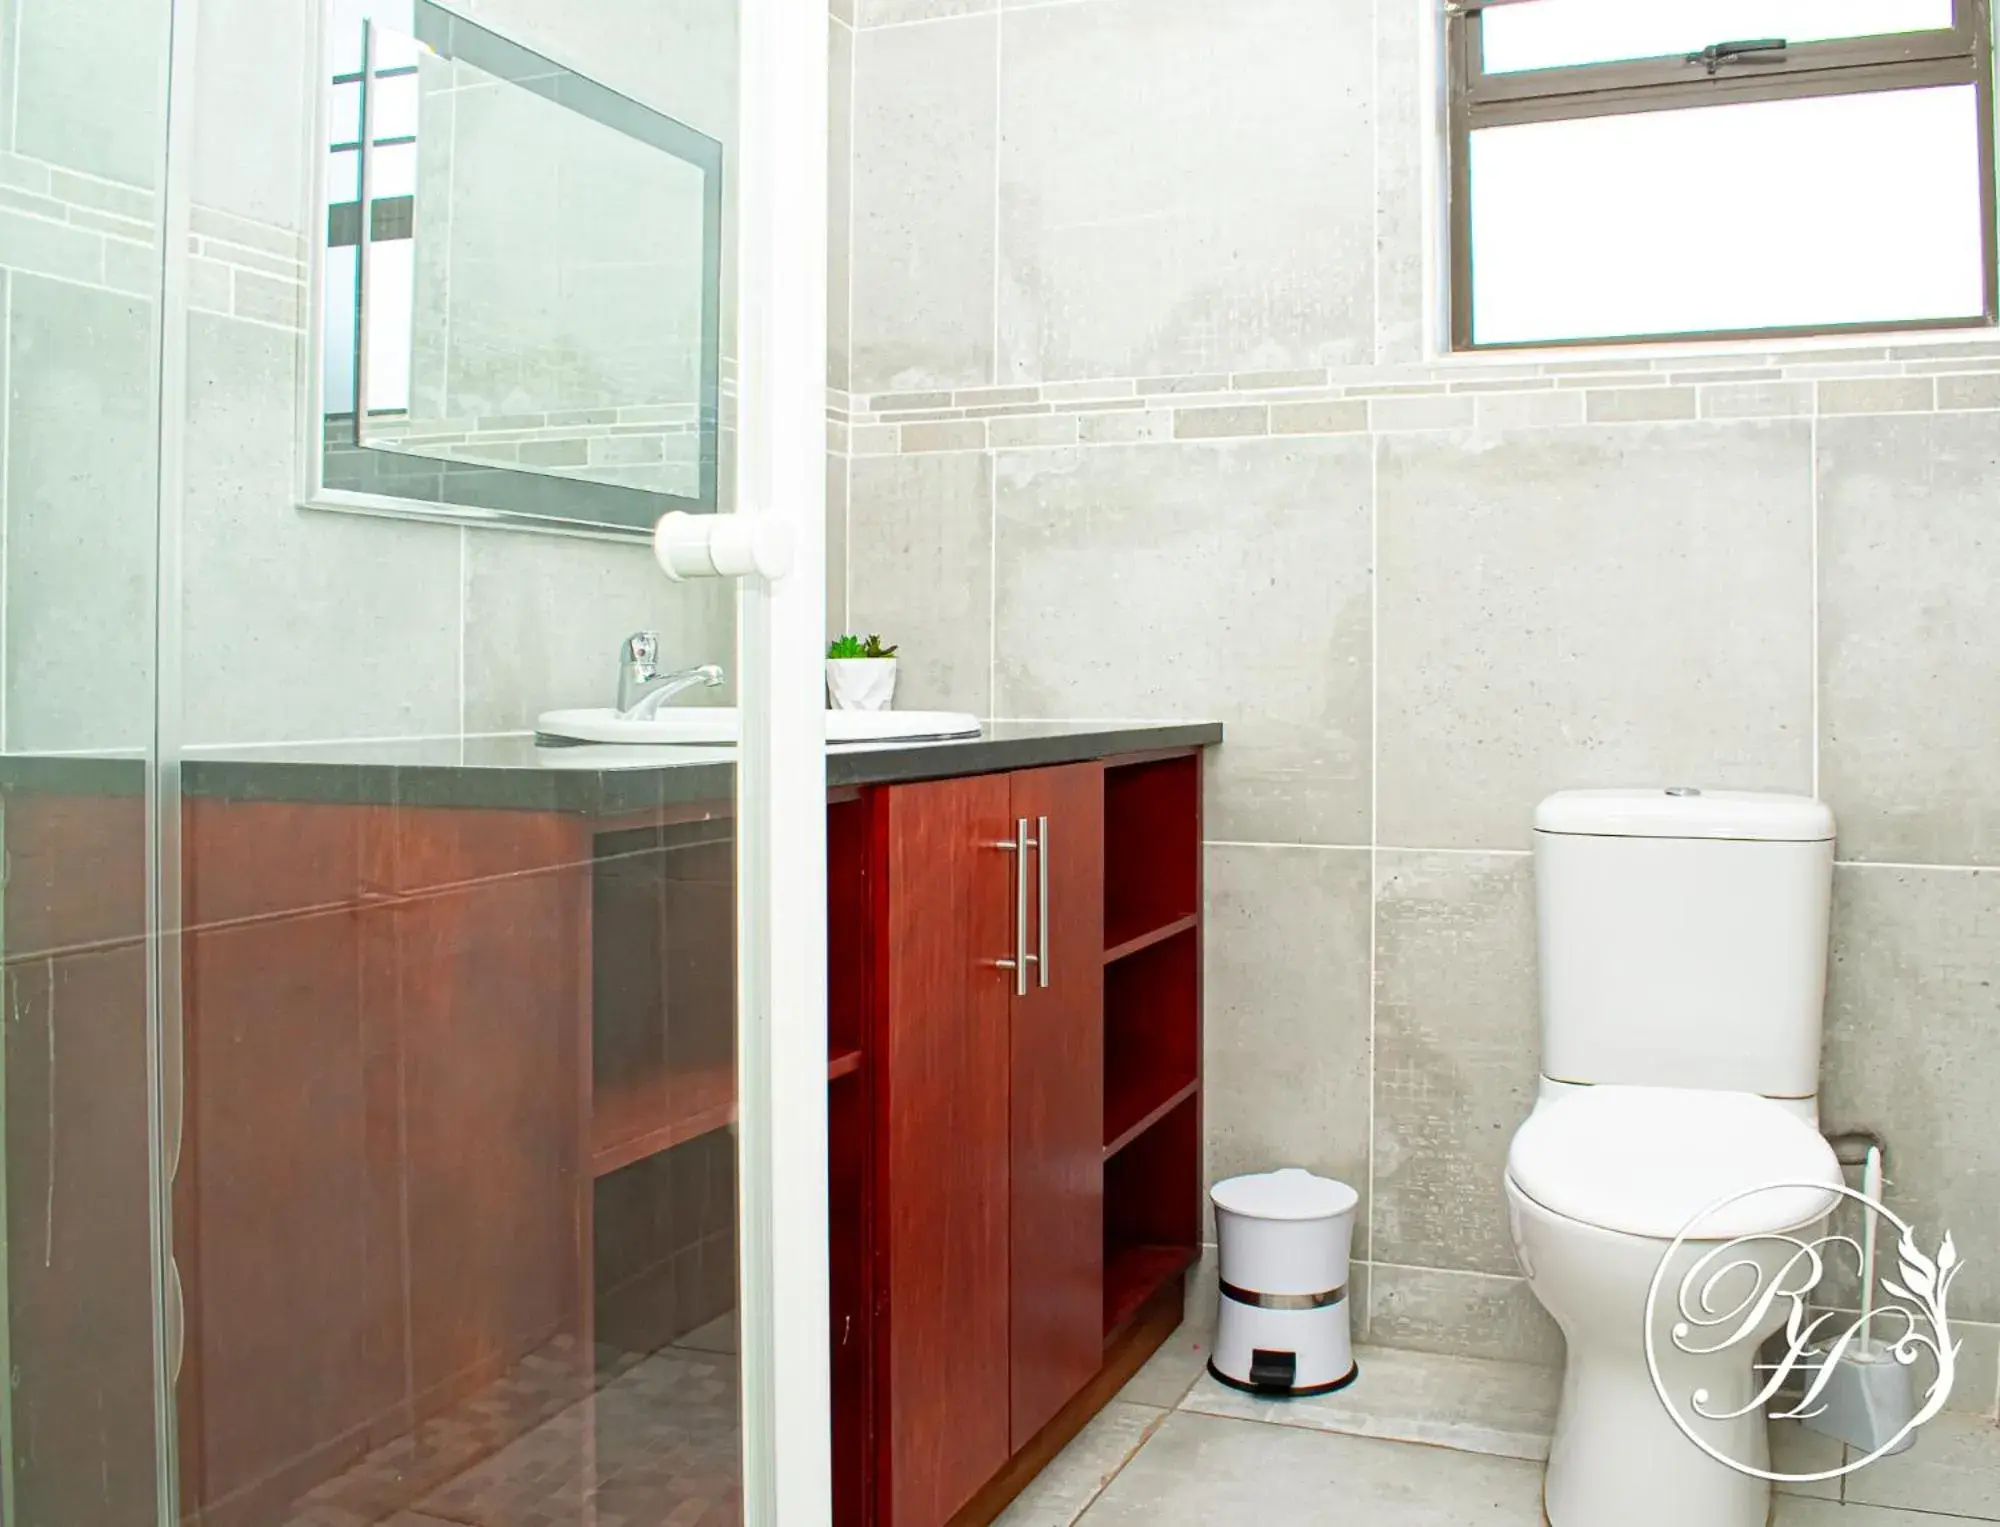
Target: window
375,80
1670,169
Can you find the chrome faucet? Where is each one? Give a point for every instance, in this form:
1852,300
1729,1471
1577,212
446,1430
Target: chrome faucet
642,689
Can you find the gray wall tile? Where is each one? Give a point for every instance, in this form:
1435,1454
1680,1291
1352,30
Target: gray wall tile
90,86
1910,636
1401,294
1589,607
1909,1051
298,625
1286,1079
1429,1309
1456,1044
1226,580
81,493
836,545
545,617
924,130
1185,187
839,203
920,567
253,108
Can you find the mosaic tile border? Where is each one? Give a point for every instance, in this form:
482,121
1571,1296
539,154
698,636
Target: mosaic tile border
1602,390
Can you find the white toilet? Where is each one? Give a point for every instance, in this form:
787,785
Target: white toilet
1683,968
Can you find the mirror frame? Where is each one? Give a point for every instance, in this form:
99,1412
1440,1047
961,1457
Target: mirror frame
602,510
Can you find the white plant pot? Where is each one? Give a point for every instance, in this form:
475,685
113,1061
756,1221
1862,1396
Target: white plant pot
861,683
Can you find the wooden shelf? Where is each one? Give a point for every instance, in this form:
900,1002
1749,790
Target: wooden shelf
1132,1118
1132,1275
658,1112
1148,939
1152,847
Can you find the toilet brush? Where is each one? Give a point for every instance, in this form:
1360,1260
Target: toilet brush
1868,1396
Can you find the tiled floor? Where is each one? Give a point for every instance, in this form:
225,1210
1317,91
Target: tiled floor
653,1443
1422,1441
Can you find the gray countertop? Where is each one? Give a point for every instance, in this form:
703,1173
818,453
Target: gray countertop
512,773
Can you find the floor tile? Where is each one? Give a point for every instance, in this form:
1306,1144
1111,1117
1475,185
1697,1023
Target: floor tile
1795,1511
719,1335
1069,1484
1954,1468
1200,1470
1797,1449
1504,1409
1170,1371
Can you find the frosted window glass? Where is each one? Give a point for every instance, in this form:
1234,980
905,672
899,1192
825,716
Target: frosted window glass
343,176
337,356
392,171
1553,34
395,48
344,108
391,291
344,38
394,105
1775,214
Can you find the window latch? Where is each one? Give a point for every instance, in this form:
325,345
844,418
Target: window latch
1757,50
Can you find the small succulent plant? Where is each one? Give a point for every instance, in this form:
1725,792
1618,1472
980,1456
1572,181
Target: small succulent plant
849,647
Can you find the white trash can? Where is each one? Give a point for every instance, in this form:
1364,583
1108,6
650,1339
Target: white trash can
1283,1241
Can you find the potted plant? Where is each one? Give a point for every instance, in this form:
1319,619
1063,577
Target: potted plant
860,673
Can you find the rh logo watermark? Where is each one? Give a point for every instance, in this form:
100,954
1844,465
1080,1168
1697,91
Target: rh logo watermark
1765,1283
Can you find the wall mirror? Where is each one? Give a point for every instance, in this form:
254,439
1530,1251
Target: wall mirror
523,325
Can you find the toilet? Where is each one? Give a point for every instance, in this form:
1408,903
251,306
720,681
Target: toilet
1683,967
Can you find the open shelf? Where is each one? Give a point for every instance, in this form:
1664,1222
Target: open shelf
657,1112
1133,1274
1145,1121
1148,939
1152,848
1152,1213
1152,1036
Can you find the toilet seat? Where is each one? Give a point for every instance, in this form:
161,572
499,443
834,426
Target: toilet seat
1647,1161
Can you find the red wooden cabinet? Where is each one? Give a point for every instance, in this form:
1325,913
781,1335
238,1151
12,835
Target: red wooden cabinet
1056,1187
1011,1293
942,1062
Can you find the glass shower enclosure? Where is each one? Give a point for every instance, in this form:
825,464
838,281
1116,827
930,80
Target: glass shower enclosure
407,1121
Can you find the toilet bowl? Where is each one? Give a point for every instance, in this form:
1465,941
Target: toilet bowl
1682,972
1600,1183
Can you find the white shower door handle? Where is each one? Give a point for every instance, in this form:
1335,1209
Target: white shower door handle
722,546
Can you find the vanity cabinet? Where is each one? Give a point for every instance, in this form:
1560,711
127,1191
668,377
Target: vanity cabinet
1033,981
458,1057
990,1072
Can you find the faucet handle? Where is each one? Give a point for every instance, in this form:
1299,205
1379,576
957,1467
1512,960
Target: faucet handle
642,650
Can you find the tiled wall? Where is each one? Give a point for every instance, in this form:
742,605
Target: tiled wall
294,625
1133,418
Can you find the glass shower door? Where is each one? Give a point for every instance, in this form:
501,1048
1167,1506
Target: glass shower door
84,1429
405,1121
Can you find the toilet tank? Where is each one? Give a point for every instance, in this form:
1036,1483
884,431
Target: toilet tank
1683,938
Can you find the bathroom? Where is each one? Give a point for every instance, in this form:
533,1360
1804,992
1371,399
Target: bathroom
416,1113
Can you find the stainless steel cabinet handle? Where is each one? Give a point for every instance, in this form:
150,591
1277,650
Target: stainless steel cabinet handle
1042,868
1022,959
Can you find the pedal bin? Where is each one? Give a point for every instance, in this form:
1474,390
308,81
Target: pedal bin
1283,1247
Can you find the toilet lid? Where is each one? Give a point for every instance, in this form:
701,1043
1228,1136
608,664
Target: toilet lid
1648,1160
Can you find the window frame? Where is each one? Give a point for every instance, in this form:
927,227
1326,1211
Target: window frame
1960,55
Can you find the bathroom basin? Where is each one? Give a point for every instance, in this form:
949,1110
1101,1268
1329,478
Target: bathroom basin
717,726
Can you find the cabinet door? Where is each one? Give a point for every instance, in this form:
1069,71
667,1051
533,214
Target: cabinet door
1058,1101
943,1061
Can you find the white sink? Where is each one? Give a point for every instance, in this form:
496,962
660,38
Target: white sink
717,726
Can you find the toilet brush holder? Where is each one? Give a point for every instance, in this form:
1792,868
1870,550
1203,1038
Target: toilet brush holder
1869,1397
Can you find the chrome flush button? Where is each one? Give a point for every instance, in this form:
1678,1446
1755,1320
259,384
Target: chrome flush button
1682,790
